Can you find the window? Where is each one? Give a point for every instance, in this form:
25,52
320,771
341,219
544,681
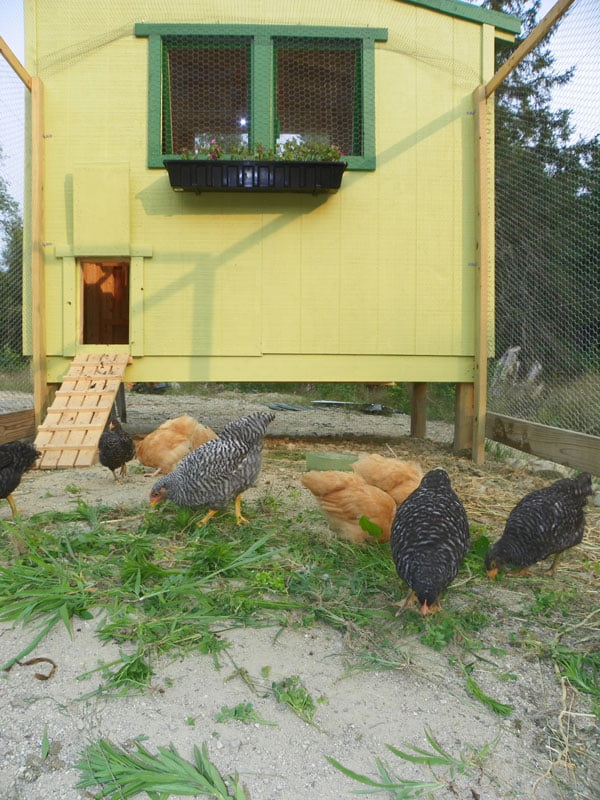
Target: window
205,91
317,92
246,84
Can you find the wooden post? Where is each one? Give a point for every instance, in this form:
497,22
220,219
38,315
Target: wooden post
38,296
463,417
38,285
418,412
482,199
483,203
14,62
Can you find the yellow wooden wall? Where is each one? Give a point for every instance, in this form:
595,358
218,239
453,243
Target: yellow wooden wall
374,283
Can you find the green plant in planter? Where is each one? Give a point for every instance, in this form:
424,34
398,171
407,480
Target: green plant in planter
292,150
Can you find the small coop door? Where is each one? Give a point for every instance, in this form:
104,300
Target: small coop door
105,302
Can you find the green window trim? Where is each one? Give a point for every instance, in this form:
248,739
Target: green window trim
262,38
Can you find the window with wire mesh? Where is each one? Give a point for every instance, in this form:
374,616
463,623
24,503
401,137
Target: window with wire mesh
205,91
318,91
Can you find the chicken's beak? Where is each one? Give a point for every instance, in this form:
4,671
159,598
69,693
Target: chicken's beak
492,572
154,501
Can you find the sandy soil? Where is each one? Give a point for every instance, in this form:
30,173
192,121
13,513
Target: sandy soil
360,711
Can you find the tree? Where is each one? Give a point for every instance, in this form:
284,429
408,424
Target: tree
11,279
547,293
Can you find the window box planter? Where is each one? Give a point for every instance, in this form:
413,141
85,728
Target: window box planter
254,176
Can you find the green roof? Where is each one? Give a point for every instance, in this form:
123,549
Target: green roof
456,8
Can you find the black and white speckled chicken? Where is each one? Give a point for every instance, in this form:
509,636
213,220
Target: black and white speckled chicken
15,459
218,471
544,523
116,448
430,538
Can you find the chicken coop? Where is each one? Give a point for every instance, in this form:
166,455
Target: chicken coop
175,267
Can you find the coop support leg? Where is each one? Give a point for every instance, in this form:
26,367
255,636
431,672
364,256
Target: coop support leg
418,412
463,417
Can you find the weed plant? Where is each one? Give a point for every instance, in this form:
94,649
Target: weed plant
441,768
158,584
123,775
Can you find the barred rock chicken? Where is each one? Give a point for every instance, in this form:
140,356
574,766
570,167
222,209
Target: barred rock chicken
116,448
345,497
219,470
170,442
545,522
15,459
397,478
430,538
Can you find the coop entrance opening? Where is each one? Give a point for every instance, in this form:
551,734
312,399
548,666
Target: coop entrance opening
105,302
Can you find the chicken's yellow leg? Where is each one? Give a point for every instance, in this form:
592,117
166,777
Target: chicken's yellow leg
238,510
408,601
554,564
205,519
12,505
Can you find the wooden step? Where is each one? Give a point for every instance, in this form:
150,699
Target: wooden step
69,435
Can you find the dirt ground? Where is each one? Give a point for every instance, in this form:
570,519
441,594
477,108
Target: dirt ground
545,748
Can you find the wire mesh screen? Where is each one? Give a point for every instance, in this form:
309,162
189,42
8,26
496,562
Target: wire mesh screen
15,372
317,92
547,314
205,92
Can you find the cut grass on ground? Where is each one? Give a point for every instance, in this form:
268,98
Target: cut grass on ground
166,586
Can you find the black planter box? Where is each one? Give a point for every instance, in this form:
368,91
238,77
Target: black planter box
255,176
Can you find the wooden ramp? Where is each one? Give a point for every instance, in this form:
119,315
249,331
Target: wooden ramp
69,435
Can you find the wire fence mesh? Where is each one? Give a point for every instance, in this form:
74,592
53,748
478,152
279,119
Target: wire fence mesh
15,371
547,310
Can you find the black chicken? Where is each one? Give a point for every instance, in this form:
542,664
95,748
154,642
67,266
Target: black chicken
545,522
430,538
218,471
116,448
15,459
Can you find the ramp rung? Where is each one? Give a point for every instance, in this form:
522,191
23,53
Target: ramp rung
69,435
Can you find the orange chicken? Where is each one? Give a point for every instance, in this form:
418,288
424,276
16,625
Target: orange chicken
397,478
345,497
168,444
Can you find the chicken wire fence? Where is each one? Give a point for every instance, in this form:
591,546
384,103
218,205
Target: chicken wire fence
15,369
547,309
547,157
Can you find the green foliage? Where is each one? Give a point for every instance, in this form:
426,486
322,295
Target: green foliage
441,629
165,586
45,744
122,775
473,688
271,580
10,360
213,149
369,527
548,600
581,669
243,712
11,280
480,544
398,788
132,676
291,692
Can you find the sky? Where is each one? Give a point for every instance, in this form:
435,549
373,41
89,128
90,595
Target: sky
569,49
